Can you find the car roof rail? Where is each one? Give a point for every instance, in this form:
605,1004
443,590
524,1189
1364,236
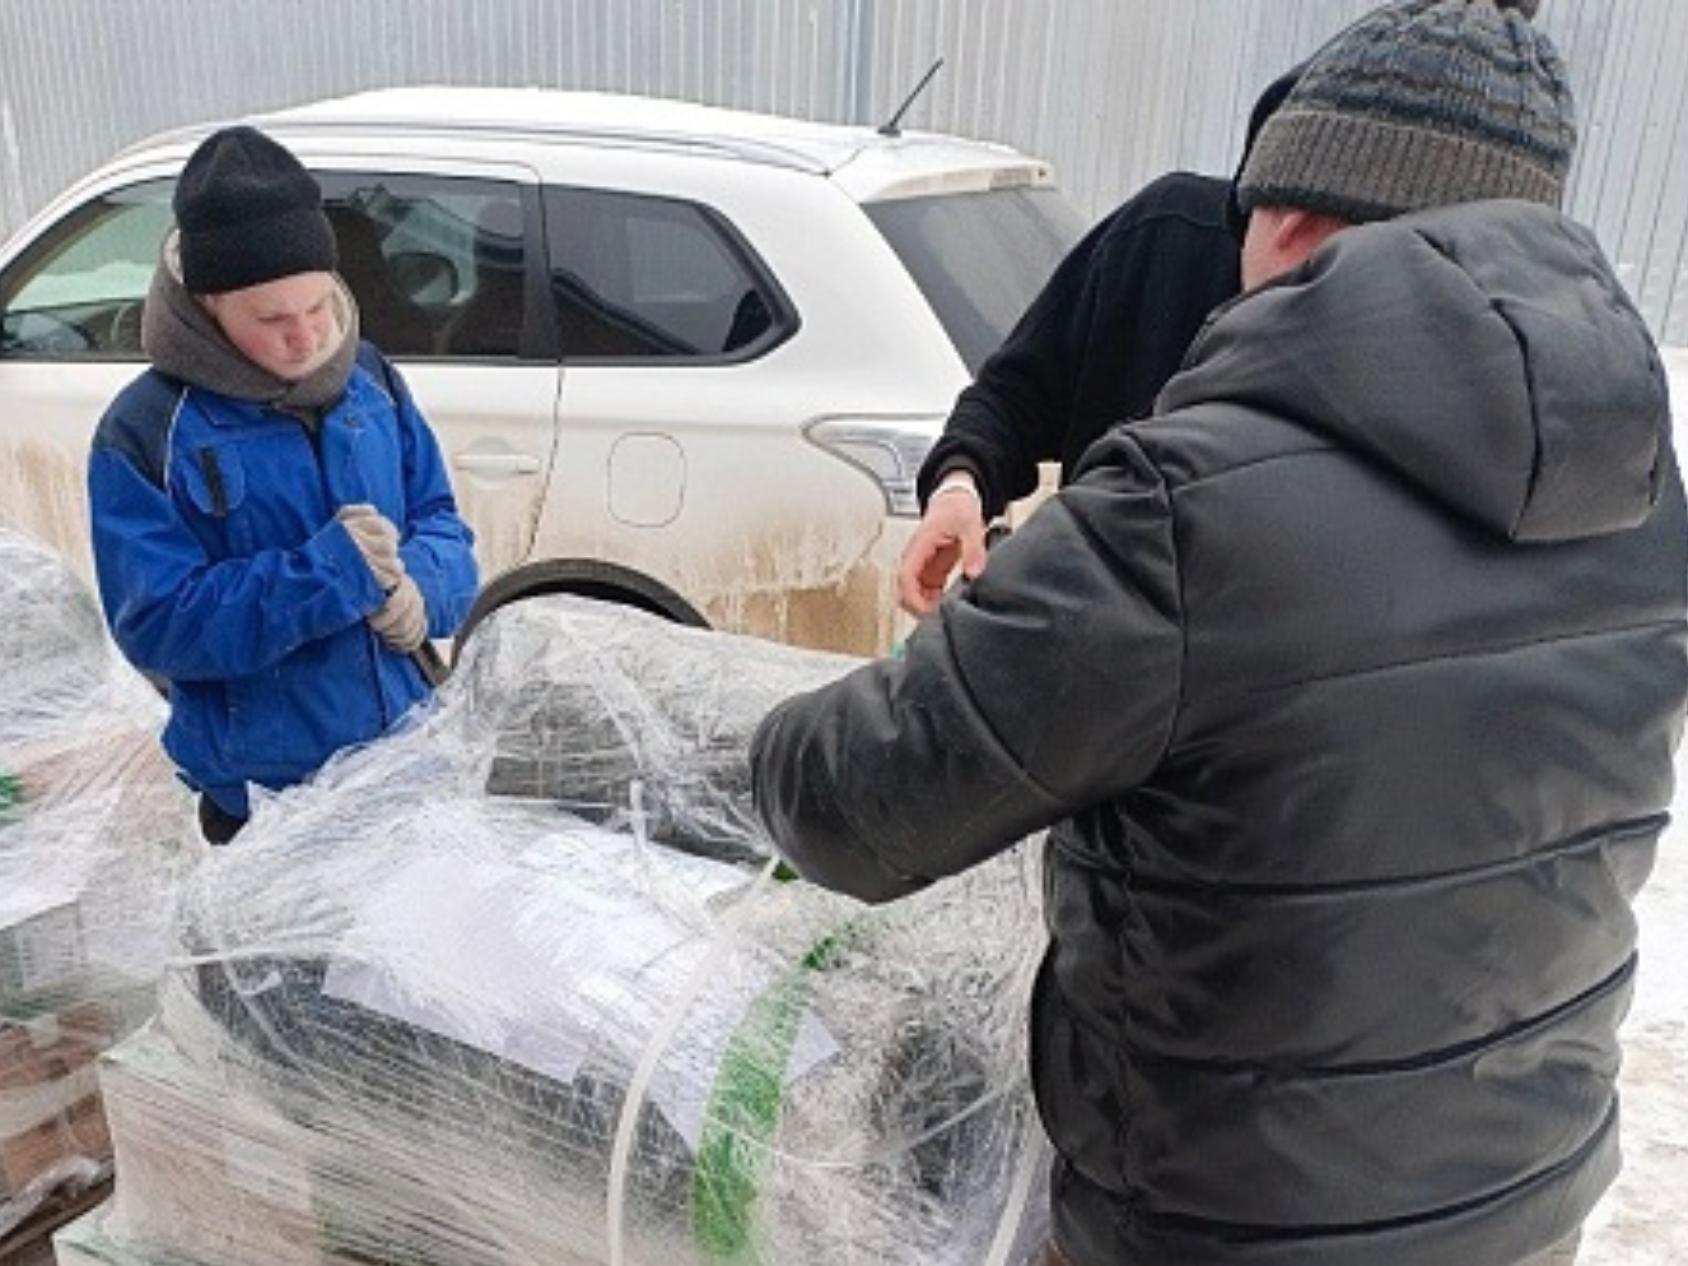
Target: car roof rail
746,149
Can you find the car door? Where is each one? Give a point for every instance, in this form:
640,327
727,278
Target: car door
447,271
698,382
71,289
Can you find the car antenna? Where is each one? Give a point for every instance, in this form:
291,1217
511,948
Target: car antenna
889,127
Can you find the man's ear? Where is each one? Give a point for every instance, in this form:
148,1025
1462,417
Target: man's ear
1299,233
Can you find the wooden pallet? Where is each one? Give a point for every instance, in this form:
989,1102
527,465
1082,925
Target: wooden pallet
26,1243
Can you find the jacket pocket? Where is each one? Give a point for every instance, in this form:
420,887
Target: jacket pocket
196,737
213,478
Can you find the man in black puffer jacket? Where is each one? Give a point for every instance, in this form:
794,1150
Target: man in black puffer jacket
1350,682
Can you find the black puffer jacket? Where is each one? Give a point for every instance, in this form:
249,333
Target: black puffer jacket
1355,675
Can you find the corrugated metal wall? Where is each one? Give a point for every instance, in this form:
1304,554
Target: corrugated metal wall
1113,91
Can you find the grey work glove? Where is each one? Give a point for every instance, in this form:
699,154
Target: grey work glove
402,620
377,540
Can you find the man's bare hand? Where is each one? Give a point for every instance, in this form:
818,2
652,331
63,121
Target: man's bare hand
951,532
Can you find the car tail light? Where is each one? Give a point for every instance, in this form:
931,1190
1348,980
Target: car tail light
889,450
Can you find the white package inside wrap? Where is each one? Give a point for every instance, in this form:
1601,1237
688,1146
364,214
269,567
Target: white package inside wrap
442,924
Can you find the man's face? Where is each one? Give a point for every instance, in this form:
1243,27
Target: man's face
288,326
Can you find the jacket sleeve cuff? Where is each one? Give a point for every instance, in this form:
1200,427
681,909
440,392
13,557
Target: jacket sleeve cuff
342,560
933,475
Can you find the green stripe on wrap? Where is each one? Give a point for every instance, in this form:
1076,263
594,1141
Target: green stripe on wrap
744,1108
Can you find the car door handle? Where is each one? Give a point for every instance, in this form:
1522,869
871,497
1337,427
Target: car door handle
497,463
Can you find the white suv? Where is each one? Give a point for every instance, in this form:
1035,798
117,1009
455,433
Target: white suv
682,357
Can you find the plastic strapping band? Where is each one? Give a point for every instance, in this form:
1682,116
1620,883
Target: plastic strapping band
11,790
1031,1157
637,1089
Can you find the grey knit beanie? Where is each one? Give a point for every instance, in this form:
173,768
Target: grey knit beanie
1423,103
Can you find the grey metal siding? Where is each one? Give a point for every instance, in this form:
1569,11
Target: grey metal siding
1114,92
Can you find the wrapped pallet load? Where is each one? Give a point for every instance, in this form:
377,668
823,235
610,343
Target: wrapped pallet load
95,835
592,1023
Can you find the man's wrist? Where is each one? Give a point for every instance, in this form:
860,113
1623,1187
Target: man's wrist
958,481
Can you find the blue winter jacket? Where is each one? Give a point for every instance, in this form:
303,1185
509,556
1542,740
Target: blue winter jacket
223,569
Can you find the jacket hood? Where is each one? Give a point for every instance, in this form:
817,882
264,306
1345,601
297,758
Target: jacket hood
1485,352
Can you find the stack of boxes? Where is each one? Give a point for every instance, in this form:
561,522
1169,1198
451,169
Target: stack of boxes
51,1129
207,1176
79,959
56,1017
95,833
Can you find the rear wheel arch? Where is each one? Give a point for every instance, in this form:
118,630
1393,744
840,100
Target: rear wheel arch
587,577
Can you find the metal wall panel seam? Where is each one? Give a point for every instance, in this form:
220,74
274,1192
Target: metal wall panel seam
1642,97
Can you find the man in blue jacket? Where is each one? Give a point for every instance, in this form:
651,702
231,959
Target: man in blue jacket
274,533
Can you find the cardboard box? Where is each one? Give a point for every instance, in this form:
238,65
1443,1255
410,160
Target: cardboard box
72,1143
50,1116
44,1044
205,1174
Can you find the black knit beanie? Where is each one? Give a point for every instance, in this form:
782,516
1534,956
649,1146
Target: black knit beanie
1423,103
247,212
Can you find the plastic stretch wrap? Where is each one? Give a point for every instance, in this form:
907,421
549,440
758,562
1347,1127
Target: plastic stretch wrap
416,1023
95,835
586,705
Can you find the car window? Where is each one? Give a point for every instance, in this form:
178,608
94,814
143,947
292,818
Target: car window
635,277
77,290
437,264
979,258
